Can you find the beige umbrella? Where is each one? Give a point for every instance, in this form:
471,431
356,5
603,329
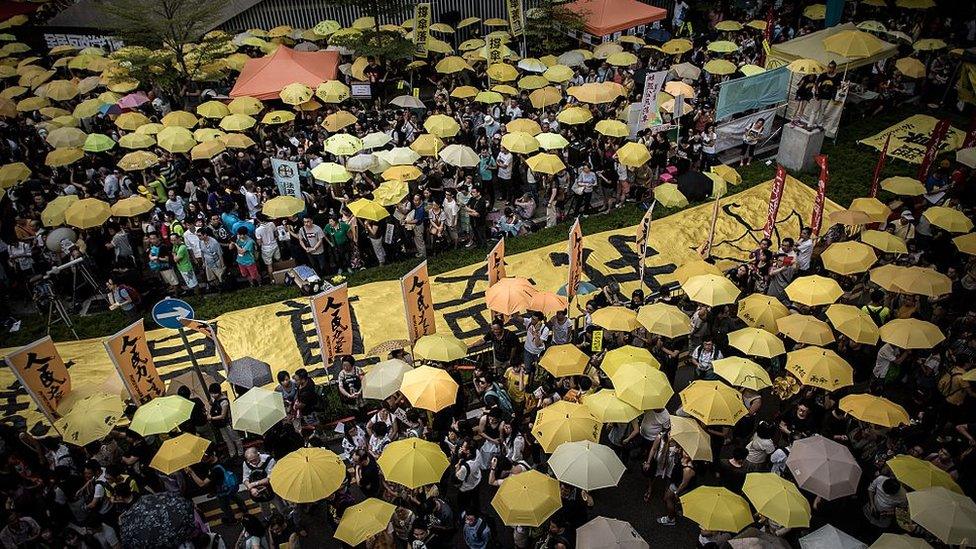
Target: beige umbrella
823,467
608,533
586,465
384,378
949,516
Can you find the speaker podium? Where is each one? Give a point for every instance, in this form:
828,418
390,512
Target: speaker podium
798,147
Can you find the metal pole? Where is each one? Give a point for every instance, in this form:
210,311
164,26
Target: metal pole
196,365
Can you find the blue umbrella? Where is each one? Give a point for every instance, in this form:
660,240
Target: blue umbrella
583,288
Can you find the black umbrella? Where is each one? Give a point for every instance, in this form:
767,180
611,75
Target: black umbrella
694,185
249,372
157,520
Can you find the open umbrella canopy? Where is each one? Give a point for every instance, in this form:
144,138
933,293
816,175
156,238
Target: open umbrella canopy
692,438
564,421
383,379
716,509
608,533
364,208
761,311
161,415
586,465
829,537
249,372
814,290
911,333
612,360
642,386
919,474
853,323
440,348
847,258
429,388
364,520
712,402
90,418
307,475
607,407
875,410
742,372
823,467
257,410
756,342
548,303
527,499
283,206
884,242
157,521
178,453
777,499
664,319
413,462
819,367
949,516
87,213
615,318
899,541
564,360
805,329
710,289
949,219
510,295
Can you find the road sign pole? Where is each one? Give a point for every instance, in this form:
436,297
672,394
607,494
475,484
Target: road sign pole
196,365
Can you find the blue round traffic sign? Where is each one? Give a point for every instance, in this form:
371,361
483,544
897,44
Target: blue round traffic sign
168,312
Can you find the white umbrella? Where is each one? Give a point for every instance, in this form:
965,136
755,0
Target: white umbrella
361,162
829,537
375,140
257,410
824,467
461,156
586,465
608,533
571,59
408,102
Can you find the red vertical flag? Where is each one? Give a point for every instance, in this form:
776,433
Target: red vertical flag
818,204
938,134
879,167
775,197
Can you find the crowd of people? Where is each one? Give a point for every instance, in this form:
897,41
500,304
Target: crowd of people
206,232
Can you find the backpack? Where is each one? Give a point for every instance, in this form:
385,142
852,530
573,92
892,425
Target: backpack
501,395
230,484
134,294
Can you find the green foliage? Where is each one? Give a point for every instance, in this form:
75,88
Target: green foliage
388,45
547,24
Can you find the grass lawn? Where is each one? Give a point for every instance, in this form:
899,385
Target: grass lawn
851,170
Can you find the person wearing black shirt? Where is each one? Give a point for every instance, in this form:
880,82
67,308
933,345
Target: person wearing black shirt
504,346
478,212
827,85
804,94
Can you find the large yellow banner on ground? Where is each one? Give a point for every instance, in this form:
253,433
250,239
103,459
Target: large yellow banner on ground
910,138
283,334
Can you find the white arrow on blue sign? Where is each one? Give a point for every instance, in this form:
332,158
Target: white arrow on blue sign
168,312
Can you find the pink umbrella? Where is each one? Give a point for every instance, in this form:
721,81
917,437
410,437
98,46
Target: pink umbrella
133,100
823,467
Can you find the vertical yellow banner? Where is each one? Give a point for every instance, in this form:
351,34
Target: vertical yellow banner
643,228
418,303
129,351
421,29
516,19
575,259
496,263
43,374
494,47
333,322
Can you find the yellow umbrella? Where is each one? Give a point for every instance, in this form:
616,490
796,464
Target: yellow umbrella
722,46
442,125
848,258
32,104
757,342
427,145
63,157
364,208
564,421
806,66
330,172
728,26
383,379
712,402
278,117
633,155
520,142
899,541
429,388
175,139
87,213
532,82
150,128
694,268
711,290
668,195
777,499
137,161
564,360
676,46
178,453
728,173
257,410
875,209
612,360
53,213
295,94
915,4
919,474
664,319
464,92
622,59
545,97
161,415
546,163
742,372
413,462
643,387
716,509
13,174
911,333
910,67
236,122
66,137
502,72
884,242
283,206
905,186
949,219
850,218
887,275
307,475
364,520
402,173
525,125
90,418
615,318
207,149
612,128
574,115
689,434
213,109
929,44
548,303
452,64
965,243
333,91
761,311
343,144
923,280
60,90
440,347
558,73
245,105
131,120
853,323
208,134
853,44
607,407
819,367
132,206
949,516
182,119
875,410
817,12
814,290
527,499
720,67
594,92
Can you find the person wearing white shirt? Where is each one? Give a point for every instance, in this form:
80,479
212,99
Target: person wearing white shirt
176,205
804,250
505,162
256,478
536,334
251,199
267,236
192,241
111,185
703,356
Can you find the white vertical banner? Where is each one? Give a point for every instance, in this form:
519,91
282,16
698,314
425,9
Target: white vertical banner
286,177
653,85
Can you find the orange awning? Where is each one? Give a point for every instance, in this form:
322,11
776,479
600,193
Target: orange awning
604,17
263,78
